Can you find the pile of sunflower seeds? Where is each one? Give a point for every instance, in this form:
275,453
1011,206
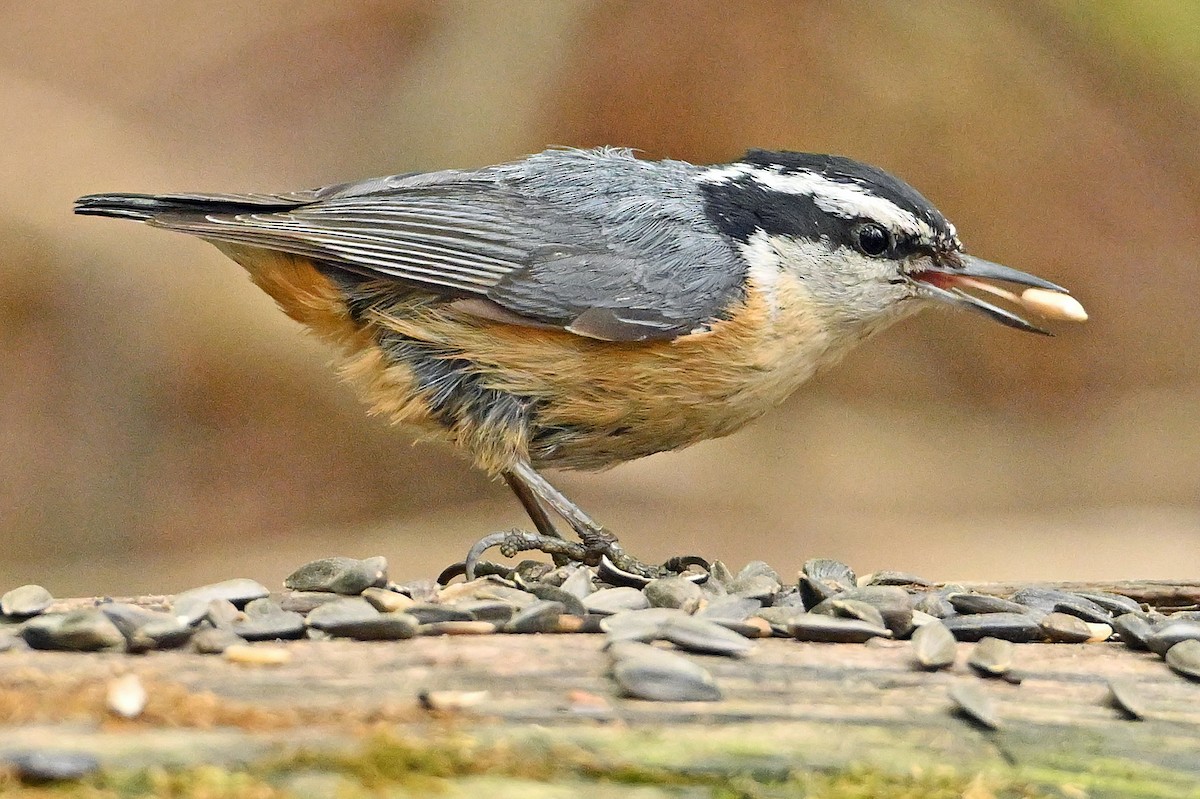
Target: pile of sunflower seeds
716,613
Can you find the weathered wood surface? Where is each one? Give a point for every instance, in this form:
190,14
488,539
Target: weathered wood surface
1165,595
788,707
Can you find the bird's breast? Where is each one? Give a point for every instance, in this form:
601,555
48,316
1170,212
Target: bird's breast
596,404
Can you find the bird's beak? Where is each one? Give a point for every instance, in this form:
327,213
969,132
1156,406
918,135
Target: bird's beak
946,282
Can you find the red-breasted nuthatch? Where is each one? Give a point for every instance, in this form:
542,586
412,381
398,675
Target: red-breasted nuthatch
582,308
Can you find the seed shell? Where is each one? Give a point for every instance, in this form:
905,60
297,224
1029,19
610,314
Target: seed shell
834,629
1065,628
1133,629
1125,697
992,657
974,704
1016,627
645,672
1184,658
934,646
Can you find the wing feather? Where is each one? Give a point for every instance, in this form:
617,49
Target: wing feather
424,241
594,242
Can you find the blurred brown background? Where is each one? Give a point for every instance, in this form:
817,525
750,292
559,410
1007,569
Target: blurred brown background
161,424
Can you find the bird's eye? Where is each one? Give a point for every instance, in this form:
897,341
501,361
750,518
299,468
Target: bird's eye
872,240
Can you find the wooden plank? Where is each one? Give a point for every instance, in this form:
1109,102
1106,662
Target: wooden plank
1166,595
790,707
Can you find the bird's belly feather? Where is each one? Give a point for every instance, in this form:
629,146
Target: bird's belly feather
503,392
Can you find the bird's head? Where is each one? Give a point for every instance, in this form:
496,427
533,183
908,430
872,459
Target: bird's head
866,246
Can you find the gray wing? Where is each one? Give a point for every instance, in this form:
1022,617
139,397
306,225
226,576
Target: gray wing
595,242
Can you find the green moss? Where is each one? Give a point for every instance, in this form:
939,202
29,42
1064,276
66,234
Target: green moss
613,762
454,766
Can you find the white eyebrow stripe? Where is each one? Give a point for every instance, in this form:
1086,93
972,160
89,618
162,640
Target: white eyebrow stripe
725,174
847,200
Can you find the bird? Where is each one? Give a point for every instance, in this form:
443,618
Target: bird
580,308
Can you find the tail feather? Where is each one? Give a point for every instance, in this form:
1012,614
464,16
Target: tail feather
143,207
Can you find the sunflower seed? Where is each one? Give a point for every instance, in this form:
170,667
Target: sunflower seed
86,630
902,579
451,701
1125,697
1053,305
492,610
645,672
615,600
336,618
303,602
263,606
163,633
747,628
893,603
974,704
552,593
780,617
719,577
1171,634
1113,603
540,617
992,657
729,608
25,601
756,580
222,613
383,600
129,618
579,583
673,592
347,576
1052,599
821,578
1184,658
705,637
283,624
984,603
934,646
1065,628
1016,627
849,608
214,641
830,571
834,629
644,625
425,589
431,614
1133,629
458,628
935,604
239,591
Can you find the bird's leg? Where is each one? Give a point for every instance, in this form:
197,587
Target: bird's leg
533,506
537,512
597,547
598,543
511,543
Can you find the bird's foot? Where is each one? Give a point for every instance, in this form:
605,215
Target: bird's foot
599,548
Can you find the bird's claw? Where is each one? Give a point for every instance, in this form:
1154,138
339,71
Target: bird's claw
618,568
599,549
513,542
